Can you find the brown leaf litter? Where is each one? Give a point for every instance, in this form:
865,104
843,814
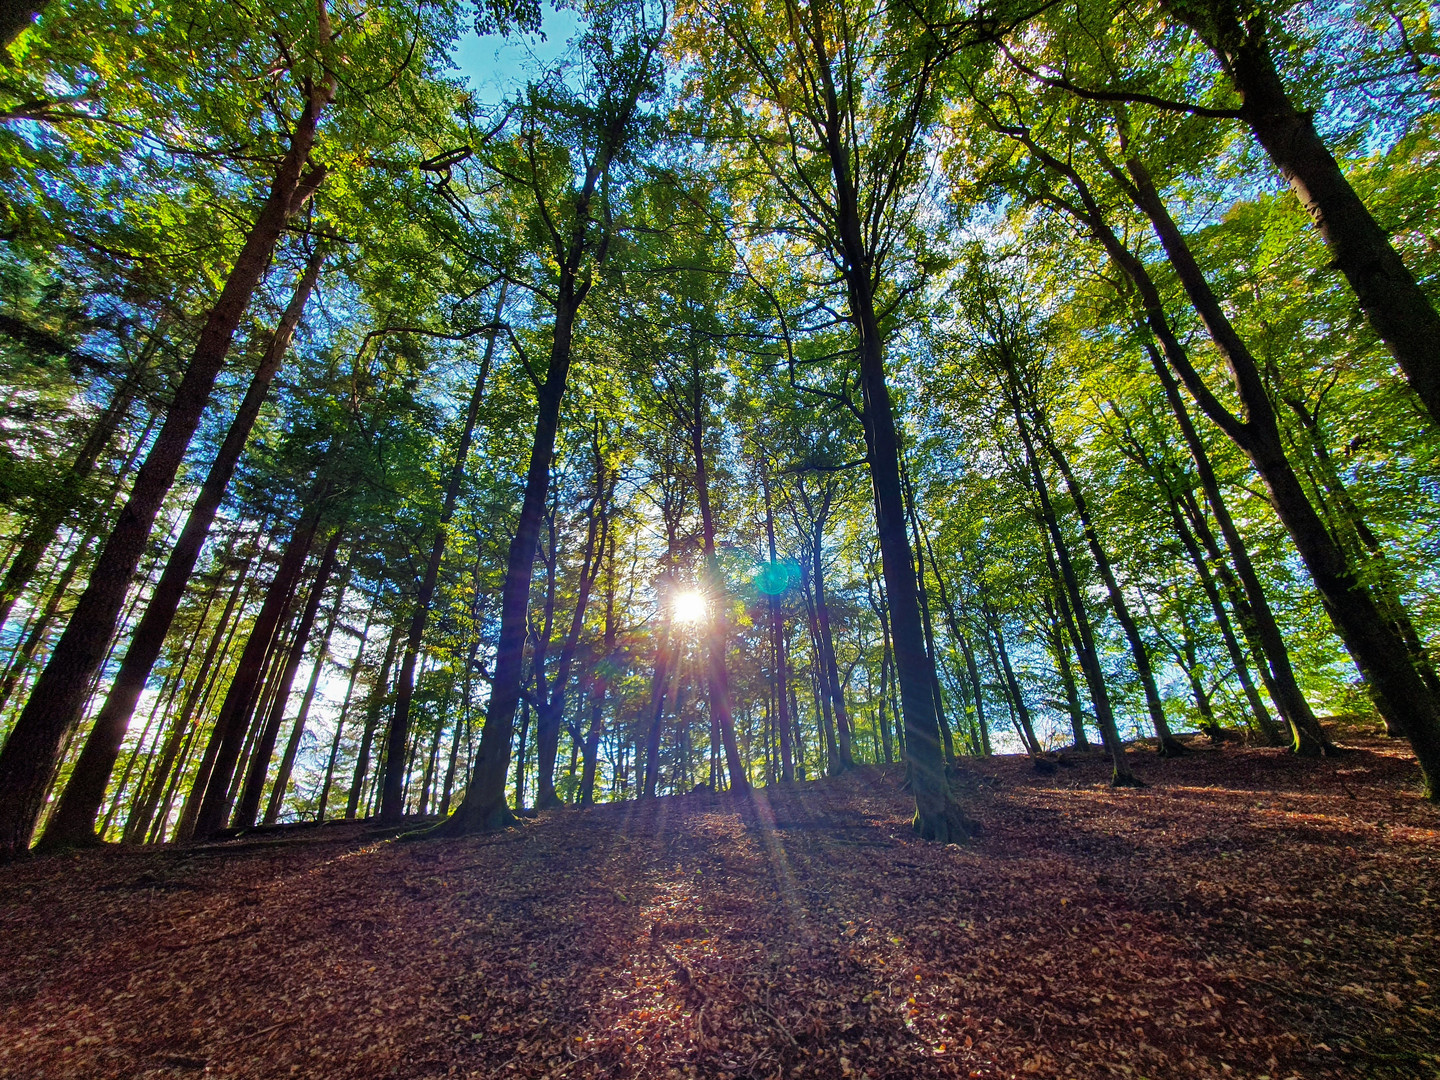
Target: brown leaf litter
1248,914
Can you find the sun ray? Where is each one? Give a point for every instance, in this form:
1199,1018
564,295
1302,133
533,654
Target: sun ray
689,607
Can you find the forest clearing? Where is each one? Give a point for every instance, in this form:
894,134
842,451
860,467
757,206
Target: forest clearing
1244,915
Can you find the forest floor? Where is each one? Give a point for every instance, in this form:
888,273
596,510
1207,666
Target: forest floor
1247,914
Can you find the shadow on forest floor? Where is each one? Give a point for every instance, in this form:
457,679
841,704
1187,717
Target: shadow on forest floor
1247,914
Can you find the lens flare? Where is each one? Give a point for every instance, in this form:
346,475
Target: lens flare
689,607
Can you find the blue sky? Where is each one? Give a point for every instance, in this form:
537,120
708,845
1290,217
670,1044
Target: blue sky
494,66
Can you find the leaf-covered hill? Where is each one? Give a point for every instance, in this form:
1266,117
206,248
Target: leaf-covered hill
1247,914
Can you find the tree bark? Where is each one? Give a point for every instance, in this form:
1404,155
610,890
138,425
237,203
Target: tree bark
140,819
1168,745
717,640
483,807
843,757
392,803
374,706
1064,569
245,688
40,532
1257,620
550,702
1395,305
1258,435
30,756
600,686
74,819
37,630
292,744
1027,728
779,656
1381,653
1055,622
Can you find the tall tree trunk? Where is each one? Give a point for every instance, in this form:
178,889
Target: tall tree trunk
246,690
164,710
355,666
373,708
42,529
1056,636
1168,745
717,640
1064,570
658,685
927,624
392,803
30,756
1354,531
550,704
843,758
35,634
819,683
937,814
74,819
779,657
140,819
520,756
1383,656
600,686
1397,308
1261,443
190,808
981,733
1257,620
483,806
1263,723
292,744
1026,727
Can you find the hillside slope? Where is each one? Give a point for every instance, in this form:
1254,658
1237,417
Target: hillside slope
1246,915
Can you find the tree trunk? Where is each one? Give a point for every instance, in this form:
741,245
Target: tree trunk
819,681
1397,308
374,706
1263,722
1257,620
717,643
1121,776
190,808
1381,653
520,756
74,819
245,689
1168,745
600,686
483,807
1308,737
1027,728
550,704
292,744
138,824
781,662
392,803
30,756
843,757
36,632
1057,636
41,530
355,665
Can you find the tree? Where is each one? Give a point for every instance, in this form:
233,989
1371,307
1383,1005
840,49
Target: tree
571,157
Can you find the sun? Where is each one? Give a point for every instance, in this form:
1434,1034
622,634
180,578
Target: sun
689,606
